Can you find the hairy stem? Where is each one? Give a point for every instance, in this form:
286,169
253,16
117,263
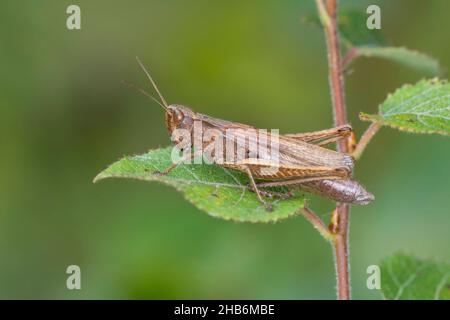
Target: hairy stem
365,139
317,223
348,58
340,222
341,250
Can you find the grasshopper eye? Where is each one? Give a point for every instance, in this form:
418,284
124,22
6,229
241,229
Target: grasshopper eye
179,115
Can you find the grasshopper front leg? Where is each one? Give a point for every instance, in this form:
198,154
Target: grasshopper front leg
267,205
190,156
167,171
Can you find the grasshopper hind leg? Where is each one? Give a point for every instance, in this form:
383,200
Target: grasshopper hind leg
274,194
324,137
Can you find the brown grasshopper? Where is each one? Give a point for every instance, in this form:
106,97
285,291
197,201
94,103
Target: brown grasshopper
302,160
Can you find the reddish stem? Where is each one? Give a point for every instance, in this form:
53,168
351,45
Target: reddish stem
365,139
317,223
340,222
348,58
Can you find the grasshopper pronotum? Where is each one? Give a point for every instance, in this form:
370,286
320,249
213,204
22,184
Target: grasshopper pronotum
301,160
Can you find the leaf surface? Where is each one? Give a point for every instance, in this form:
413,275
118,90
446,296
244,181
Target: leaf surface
406,277
369,43
220,192
401,55
420,108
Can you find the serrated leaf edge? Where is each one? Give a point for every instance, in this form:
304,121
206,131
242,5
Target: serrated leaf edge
379,117
172,182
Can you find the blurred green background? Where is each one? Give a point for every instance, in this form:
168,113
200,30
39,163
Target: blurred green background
64,116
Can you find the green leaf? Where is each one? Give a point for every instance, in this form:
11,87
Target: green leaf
406,277
353,30
420,108
409,58
221,192
365,42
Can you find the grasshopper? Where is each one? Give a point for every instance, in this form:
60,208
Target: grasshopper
302,161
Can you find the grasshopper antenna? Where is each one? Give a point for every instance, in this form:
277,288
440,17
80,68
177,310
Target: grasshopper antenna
145,93
153,83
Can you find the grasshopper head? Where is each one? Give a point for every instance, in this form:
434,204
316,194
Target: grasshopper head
179,117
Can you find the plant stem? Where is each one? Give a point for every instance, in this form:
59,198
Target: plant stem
334,65
341,252
348,58
340,223
365,139
317,223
